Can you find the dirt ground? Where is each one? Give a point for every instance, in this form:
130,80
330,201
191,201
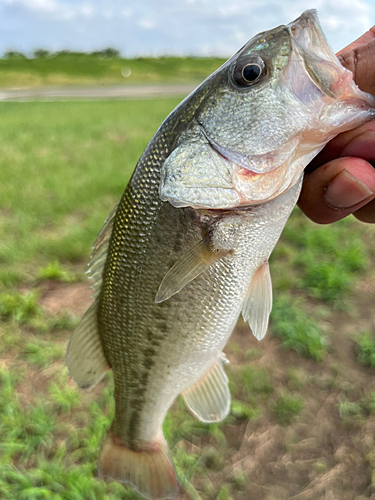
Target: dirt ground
321,454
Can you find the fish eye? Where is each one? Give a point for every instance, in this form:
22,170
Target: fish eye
251,72
248,70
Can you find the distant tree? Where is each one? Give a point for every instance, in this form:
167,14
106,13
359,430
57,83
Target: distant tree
108,53
39,53
12,54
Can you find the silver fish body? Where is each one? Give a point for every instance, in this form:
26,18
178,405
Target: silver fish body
186,251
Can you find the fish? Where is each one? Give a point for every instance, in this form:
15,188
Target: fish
186,250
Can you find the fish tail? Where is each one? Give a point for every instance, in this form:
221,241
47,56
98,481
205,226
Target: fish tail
149,471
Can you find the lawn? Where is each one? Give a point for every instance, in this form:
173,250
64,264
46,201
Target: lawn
17,71
302,422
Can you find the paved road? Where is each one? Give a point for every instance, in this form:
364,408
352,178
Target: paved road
97,93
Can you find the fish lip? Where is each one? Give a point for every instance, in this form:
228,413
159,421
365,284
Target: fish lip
257,164
305,28
322,75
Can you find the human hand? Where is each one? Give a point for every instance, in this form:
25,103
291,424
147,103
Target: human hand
341,179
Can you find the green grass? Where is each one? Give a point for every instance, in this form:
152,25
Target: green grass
328,259
286,408
348,408
298,330
366,349
54,271
20,306
78,158
63,167
41,353
88,69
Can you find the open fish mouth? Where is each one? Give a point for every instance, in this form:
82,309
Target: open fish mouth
328,78
308,34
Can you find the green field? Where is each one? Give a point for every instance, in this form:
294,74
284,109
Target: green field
87,69
302,423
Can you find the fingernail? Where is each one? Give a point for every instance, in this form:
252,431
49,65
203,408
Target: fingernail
345,190
362,146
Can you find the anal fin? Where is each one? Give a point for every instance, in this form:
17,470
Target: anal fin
194,262
85,357
258,302
209,398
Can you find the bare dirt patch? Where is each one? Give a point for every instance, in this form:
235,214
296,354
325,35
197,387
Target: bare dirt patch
58,297
323,453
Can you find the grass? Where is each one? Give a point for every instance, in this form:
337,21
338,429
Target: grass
328,261
366,349
78,151
297,330
62,169
20,306
54,271
286,408
41,353
348,408
90,69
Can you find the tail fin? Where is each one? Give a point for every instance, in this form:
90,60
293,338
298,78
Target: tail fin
150,472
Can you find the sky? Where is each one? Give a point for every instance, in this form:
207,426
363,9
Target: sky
162,27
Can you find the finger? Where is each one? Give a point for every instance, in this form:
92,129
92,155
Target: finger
337,189
366,213
358,142
362,40
361,62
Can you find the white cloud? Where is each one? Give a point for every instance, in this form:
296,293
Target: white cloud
87,10
230,10
108,14
126,12
146,24
168,26
42,5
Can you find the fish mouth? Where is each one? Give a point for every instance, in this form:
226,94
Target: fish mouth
307,32
256,164
309,45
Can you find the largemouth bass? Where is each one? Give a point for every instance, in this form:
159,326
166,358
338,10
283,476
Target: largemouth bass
186,251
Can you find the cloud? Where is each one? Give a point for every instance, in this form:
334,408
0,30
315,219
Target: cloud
41,5
157,27
146,24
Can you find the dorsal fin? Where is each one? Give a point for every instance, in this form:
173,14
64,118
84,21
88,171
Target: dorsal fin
99,254
85,358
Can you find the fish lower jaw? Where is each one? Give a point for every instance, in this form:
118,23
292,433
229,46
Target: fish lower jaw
255,189
249,175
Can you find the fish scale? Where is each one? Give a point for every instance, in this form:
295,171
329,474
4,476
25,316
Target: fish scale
118,309
201,319
186,251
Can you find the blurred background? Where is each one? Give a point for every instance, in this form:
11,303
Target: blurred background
83,87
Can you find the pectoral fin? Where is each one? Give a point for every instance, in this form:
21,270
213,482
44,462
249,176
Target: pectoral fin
192,264
258,303
209,398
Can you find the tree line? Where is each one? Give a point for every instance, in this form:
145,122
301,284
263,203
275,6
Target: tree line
108,53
